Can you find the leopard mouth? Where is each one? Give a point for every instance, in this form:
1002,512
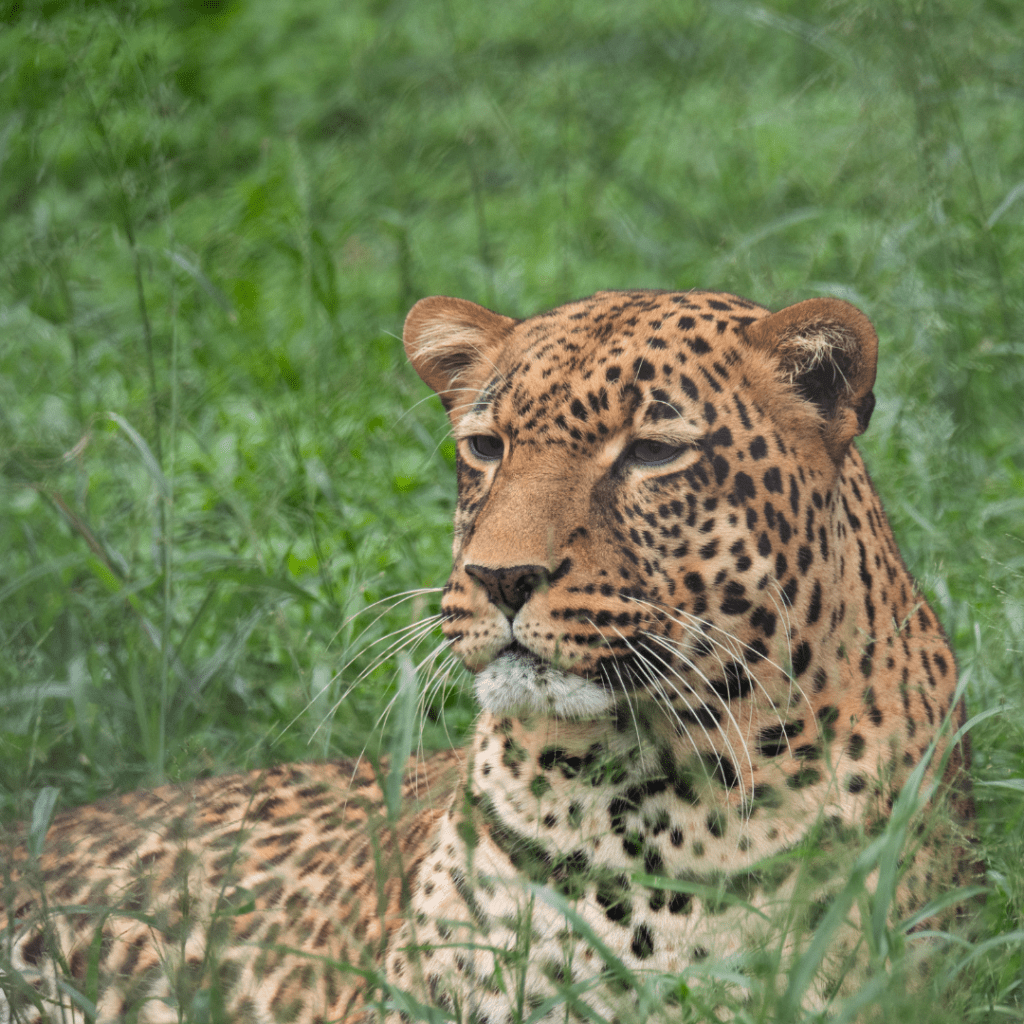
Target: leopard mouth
518,682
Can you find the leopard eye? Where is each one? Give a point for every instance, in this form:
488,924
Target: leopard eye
654,453
486,447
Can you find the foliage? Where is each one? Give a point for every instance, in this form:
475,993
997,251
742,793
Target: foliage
213,458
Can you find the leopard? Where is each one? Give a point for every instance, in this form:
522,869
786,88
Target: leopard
707,683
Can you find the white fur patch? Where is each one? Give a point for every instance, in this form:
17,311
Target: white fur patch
516,684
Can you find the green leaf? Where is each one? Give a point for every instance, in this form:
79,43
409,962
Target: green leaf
42,815
406,704
148,458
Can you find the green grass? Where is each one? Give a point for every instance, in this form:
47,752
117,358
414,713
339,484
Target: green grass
213,458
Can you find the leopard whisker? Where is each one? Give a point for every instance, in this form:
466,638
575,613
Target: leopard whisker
658,681
632,710
738,657
675,647
666,643
439,684
392,601
415,634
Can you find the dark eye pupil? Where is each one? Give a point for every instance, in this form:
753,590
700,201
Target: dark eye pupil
483,446
654,452
651,451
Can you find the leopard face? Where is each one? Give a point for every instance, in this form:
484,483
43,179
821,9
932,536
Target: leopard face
645,485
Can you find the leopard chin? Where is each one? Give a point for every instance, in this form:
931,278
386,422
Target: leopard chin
518,683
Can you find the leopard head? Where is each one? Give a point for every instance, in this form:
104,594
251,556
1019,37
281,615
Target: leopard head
637,476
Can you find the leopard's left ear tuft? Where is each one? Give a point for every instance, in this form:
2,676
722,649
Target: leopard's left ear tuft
828,351
453,345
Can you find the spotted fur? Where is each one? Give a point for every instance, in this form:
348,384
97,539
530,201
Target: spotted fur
704,673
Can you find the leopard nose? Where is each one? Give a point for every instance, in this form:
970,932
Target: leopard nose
511,587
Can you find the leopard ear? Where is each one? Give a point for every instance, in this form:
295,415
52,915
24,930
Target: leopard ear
453,344
828,351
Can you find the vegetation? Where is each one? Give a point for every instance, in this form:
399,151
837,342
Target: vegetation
214,462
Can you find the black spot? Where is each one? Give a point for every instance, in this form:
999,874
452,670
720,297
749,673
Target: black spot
689,387
814,608
643,942
773,740
855,783
735,602
803,559
781,565
827,718
32,950
742,410
642,370
716,824
806,776
709,550
693,582
613,894
653,864
763,620
820,680
612,373
855,746
723,768
773,480
679,903
632,844
704,714
737,682
758,448
721,438
744,488
551,756
808,750
578,409
801,658
785,530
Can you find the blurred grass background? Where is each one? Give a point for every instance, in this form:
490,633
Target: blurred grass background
213,457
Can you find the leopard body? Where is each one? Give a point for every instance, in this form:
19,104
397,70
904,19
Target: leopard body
704,673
